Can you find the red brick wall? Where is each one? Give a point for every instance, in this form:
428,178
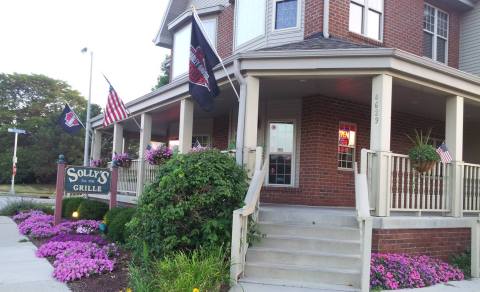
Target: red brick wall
321,182
220,132
225,32
439,243
403,27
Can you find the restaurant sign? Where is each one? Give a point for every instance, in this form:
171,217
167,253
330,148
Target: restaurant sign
89,180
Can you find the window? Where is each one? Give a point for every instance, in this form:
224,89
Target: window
286,13
435,34
347,135
281,153
366,18
203,140
181,45
249,20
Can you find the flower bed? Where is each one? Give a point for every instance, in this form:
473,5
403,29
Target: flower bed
396,271
75,248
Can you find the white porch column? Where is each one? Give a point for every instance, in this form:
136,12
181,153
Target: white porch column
97,144
185,131
251,122
117,139
454,141
380,131
145,138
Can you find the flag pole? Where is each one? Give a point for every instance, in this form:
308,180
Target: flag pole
197,18
87,132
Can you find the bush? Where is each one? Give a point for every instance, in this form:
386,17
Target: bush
93,210
70,205
463,262
395,271
14,207
111,214
189,204
205,269
116,228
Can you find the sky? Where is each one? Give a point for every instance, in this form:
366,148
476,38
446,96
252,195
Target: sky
46,37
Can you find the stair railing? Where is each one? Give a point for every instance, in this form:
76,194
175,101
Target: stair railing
364,219
241,218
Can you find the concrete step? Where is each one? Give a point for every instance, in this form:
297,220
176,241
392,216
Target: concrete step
308,216
251,284
302,258
310,244
310,230
303,274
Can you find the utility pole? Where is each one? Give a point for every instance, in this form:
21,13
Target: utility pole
87,124
14,160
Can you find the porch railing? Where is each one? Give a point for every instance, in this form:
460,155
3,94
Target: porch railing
128,177
471,187
242,216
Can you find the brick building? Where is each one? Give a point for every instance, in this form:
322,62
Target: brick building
328,89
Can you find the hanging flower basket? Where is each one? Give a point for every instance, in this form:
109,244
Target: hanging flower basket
98,163
158,156
423,155
424,166
122,160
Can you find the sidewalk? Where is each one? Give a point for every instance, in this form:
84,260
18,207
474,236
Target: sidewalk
20,269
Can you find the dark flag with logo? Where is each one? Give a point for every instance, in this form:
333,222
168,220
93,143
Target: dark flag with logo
69,121
202,83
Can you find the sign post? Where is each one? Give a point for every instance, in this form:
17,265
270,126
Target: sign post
113,186
59,189
14,160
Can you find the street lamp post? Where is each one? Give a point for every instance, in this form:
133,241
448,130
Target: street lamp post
87,124
14,160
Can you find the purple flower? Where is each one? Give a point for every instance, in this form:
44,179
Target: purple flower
98,239
157,156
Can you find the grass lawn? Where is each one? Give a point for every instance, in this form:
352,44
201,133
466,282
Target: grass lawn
34,189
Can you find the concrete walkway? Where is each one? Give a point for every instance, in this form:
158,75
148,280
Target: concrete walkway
20,269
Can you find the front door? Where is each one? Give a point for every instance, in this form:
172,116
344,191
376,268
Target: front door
281,154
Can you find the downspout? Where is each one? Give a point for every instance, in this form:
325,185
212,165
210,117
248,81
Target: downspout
326,18
241,112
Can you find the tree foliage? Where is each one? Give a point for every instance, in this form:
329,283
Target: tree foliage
164,77
35,102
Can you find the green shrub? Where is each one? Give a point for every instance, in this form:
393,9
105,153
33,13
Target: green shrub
70,205
111,214
205,269
422,150
116,228
91,209
189,204
14,207
140,272
463,262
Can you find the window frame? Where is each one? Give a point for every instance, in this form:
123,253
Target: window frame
274,16
364,24
208,136
354,147
435,34
293,167
236,44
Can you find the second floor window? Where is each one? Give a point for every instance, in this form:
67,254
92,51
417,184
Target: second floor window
435,34
366,18
249,20
286,13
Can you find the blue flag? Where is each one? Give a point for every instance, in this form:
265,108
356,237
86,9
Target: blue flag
69,121
202,83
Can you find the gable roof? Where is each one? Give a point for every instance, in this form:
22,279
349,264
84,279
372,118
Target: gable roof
318,42
176,8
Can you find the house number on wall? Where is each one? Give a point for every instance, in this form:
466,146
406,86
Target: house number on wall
377,109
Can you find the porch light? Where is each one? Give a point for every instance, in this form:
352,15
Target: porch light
75,214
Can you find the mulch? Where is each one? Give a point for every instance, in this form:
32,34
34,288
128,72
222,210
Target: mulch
116,281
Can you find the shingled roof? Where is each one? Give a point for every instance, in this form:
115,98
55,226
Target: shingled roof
318,42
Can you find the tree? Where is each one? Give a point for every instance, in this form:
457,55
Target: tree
164,77
34,103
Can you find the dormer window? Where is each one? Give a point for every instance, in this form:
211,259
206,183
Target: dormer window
286,13
249,20
435,34
366,18
181,45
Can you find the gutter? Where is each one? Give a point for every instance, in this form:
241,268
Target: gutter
326,19
241,112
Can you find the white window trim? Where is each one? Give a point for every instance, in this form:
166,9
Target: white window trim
274,16
237,46
365,20
354,156
209,138
435,34
293,177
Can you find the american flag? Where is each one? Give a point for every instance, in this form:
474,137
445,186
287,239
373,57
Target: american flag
115,110
445,156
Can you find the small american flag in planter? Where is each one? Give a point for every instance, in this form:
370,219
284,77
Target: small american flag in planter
445,156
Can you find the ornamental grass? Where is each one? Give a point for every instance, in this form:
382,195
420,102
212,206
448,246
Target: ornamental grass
397,271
